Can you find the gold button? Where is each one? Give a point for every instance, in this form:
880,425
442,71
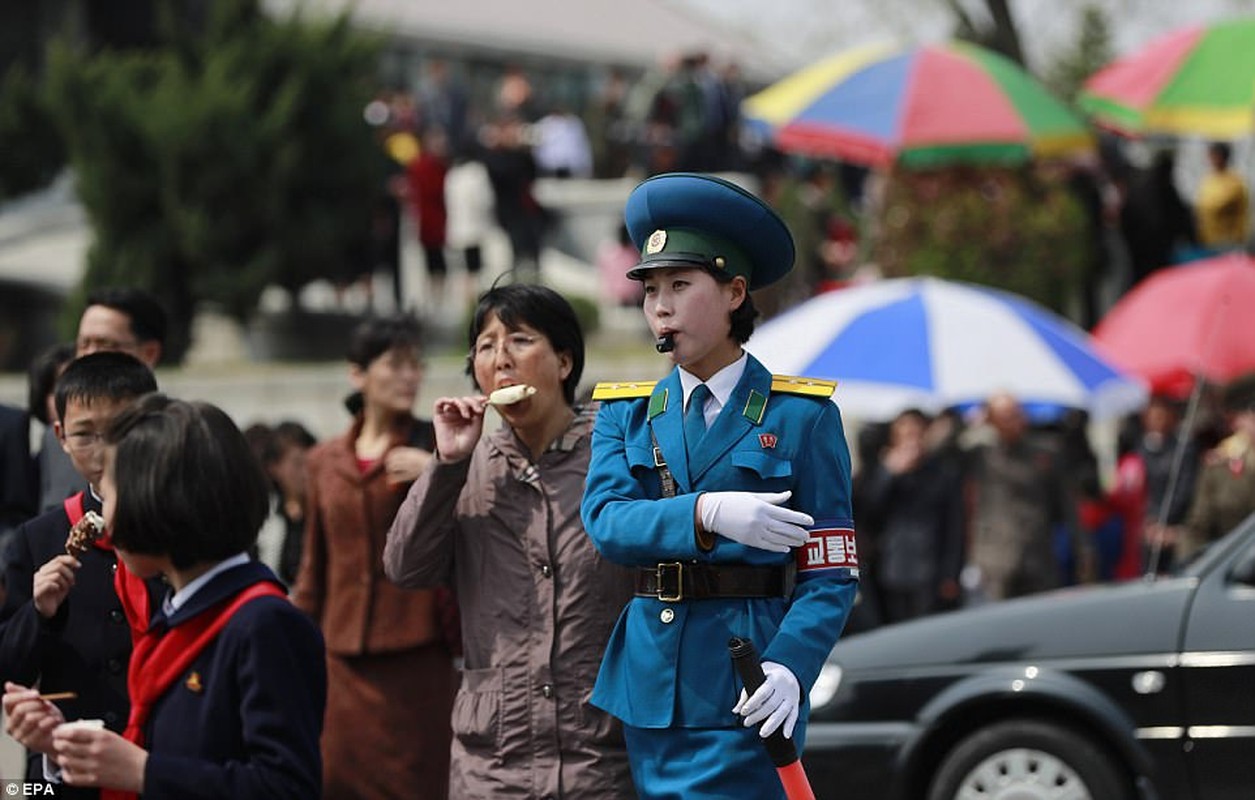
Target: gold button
666,615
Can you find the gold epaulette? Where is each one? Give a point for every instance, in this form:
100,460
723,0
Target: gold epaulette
623,390
811,387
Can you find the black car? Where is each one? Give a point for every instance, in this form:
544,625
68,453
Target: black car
1124,692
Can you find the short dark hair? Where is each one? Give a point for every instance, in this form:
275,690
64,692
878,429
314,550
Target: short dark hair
188,487
538,307
912,413
283,437
148,318
742,317
106,375
41,378
378,335
374,337
258,436
1222,151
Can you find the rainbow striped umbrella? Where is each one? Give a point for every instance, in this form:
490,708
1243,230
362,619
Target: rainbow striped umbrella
920,107
1197,81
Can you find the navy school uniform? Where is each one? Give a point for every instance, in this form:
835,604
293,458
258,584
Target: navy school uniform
666,671
84,648
244,720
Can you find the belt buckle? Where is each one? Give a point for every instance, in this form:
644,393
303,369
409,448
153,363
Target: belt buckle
669,568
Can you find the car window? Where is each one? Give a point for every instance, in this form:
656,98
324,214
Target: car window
1241,538
1243,571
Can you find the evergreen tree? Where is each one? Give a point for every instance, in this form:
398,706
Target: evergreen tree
31,150
228,159
1017,229
1093,50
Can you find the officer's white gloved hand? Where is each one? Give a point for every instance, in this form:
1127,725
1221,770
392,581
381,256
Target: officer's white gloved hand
755,519
776,701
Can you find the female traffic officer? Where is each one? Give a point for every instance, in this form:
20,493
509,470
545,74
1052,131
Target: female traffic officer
728,490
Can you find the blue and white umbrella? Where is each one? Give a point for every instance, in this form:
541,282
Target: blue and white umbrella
931,344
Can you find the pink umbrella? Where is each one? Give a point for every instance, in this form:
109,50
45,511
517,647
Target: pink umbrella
1183,323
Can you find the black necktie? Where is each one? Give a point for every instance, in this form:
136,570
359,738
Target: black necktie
695,418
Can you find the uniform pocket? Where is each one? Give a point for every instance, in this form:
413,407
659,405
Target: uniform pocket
638,456
476,718
643,468
762,464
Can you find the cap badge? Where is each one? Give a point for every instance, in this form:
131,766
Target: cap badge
657,241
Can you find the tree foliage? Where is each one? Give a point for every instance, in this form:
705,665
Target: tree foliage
226,160
1011,229
31,148
1092,51
999,34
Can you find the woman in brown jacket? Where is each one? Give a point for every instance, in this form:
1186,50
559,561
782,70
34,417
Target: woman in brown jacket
390,673
499,515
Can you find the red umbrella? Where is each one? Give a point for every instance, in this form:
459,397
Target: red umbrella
1186,322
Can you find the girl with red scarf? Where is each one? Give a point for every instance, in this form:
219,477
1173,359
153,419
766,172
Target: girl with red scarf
227,683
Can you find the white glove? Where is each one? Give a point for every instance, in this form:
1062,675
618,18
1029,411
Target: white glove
755,519
776,701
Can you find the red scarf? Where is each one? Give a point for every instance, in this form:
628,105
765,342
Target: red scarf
162,656
132,591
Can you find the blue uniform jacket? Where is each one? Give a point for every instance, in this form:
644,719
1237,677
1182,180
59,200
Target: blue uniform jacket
672,669
245,719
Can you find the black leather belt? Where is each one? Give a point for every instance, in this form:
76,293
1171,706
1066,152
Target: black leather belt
674,581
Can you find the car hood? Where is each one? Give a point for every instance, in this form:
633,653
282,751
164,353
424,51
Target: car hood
1127,619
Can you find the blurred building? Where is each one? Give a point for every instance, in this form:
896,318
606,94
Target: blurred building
564,48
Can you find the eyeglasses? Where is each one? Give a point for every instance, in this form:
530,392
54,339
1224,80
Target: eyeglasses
83,440
515,345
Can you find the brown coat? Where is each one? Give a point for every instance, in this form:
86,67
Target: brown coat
341,581
390,672
538,604
1021,495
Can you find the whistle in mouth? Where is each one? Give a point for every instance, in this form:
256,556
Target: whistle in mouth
665,343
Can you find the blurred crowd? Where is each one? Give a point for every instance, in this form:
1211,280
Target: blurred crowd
463,166
465,163
988,503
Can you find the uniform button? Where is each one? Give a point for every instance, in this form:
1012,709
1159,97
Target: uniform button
545,570
116,616
113,567
111,717
546,691
113,665
666,615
